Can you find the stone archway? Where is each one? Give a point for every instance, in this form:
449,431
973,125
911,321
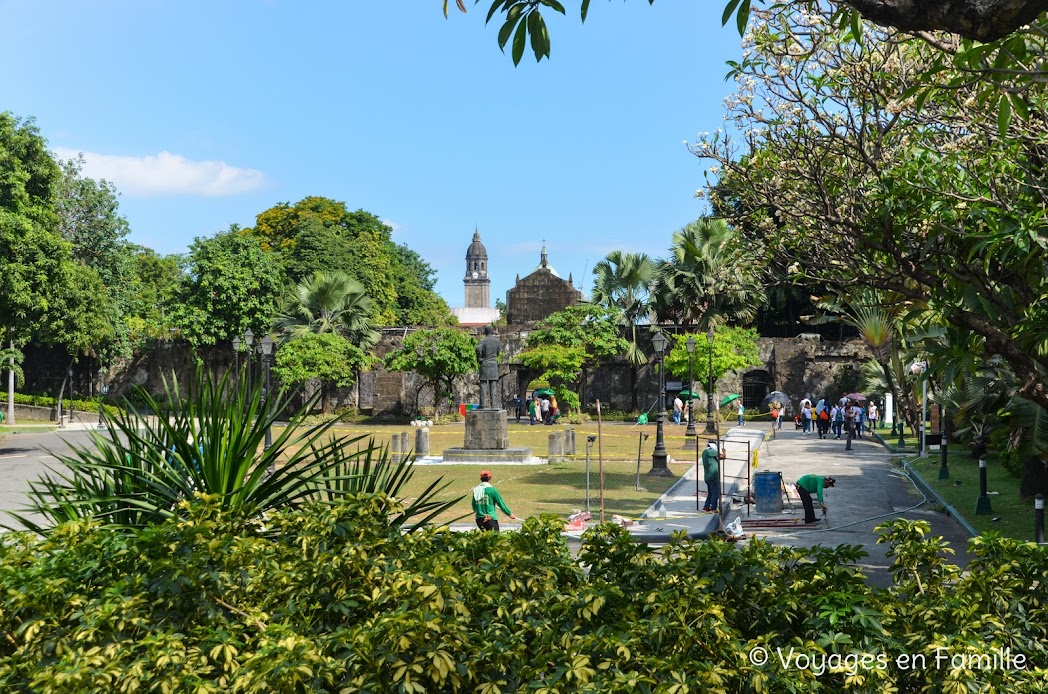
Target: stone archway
755,385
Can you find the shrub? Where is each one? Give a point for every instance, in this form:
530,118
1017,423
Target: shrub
213,441
333,598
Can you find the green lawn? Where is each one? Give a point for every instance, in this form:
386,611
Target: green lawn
962,489
558,488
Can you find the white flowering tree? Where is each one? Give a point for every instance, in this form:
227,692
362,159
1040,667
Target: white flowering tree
936,196
975,20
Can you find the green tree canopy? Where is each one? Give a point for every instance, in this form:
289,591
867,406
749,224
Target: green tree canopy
326,357
734,349
584,335
439,356
320,234
231,284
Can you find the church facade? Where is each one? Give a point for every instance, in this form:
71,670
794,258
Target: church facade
539,294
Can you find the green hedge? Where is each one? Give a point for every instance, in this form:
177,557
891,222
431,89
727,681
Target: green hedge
334,599
52,402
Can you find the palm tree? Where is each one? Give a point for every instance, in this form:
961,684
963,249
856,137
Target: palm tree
328,302
621,282
709,278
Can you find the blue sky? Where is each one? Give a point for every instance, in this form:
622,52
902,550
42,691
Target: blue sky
206,113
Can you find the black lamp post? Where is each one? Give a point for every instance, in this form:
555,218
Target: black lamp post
249,339
944,468
265,348
689,433
982,504
659,458
711,425
236,359
921,368
71,413
101,392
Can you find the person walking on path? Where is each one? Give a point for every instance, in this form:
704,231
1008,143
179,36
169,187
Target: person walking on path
813,484
742,414
531,410
806,417
852,418
678,406
485,501
711,474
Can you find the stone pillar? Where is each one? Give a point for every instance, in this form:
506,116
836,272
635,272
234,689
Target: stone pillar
569,441
422,441
556,447
405,444
394,448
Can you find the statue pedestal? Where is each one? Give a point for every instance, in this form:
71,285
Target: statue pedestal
487,441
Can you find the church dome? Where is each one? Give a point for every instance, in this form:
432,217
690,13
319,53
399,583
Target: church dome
476,249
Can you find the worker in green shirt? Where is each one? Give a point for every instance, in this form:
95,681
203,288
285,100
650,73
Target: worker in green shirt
813,484
711,474
485,500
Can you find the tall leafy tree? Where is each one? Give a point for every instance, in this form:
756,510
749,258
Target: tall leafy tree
710,277
328,358
621,282
439,356
35,261
155,286
88,217
939,198
231,284
566,344
978,21
417,301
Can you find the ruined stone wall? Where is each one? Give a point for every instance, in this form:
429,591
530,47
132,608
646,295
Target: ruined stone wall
797,366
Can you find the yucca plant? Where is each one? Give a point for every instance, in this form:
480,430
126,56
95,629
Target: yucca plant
210,441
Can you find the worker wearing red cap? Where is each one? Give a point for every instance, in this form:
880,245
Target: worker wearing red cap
485,500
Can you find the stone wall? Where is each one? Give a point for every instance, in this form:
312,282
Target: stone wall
797,366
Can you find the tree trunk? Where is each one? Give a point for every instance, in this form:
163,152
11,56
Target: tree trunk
634,400
1034,478
325,398
11,387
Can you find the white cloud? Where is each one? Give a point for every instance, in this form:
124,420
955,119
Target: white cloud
394,227
167,174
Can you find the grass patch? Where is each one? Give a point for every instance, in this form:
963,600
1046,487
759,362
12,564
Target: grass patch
558,488
962,489
618,442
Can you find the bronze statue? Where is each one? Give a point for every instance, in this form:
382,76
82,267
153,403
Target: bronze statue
487,355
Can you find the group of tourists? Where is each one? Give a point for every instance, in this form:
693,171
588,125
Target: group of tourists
542,410
851,418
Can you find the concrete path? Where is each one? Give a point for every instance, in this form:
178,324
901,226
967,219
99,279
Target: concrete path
870,490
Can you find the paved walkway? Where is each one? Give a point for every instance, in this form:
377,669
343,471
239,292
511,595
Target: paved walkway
870,490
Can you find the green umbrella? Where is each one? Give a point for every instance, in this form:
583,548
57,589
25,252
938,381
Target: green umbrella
731,397
543,391
688,395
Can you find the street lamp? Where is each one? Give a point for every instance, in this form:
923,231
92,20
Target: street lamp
711,426
944,469
101,392
689,433
249,339
265,347
921,367
236,359
659,458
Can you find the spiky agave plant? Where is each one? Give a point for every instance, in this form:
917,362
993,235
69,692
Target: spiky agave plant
210,441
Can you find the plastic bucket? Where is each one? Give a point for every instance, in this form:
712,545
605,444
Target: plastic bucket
767,492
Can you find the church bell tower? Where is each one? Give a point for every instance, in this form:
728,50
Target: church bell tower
477,282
